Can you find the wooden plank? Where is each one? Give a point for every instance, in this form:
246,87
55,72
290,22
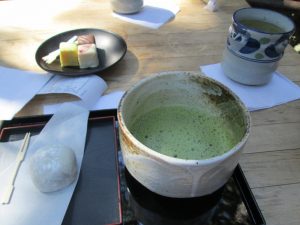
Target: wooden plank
260,168
280,205
284,113
271,137
292,73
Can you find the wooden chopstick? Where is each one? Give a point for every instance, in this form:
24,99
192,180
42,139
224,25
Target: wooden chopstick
20,157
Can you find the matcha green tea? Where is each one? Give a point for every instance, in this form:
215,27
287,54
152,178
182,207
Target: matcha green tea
261,26
186,133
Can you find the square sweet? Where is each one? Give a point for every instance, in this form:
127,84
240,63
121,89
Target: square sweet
87,56
86,39
68,54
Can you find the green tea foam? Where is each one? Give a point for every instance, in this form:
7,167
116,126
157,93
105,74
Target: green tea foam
183,132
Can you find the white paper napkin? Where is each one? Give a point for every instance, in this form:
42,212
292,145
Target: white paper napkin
154,14
108,101
29,206
17,88
87,88
278,91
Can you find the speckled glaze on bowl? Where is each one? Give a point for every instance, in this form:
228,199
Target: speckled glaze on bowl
175,177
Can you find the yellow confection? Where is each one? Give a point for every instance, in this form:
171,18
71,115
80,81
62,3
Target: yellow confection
68,54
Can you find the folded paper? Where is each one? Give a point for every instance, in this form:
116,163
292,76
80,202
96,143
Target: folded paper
17,89
154,14
278,91
29,206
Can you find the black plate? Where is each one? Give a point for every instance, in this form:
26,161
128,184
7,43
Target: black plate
111,49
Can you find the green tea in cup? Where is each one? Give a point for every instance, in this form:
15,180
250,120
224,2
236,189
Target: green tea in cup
262,26
185,132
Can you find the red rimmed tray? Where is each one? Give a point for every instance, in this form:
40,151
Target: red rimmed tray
97,198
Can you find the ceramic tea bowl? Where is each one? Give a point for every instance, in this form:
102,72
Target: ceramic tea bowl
256,42
181,133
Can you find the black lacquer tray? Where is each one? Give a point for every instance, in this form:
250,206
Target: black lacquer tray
117,198
96,199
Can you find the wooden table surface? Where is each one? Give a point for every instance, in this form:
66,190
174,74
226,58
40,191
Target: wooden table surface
271,159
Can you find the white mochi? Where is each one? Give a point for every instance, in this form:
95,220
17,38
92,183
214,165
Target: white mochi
53,168
87,56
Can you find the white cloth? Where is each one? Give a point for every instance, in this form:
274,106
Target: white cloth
154,14
278,91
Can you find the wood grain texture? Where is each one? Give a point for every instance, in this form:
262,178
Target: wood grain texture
271,158
280,205
286,163
272,137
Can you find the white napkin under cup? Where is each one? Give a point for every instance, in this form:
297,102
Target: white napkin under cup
278,91
154,14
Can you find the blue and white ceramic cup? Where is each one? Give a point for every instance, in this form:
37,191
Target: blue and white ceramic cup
256,42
